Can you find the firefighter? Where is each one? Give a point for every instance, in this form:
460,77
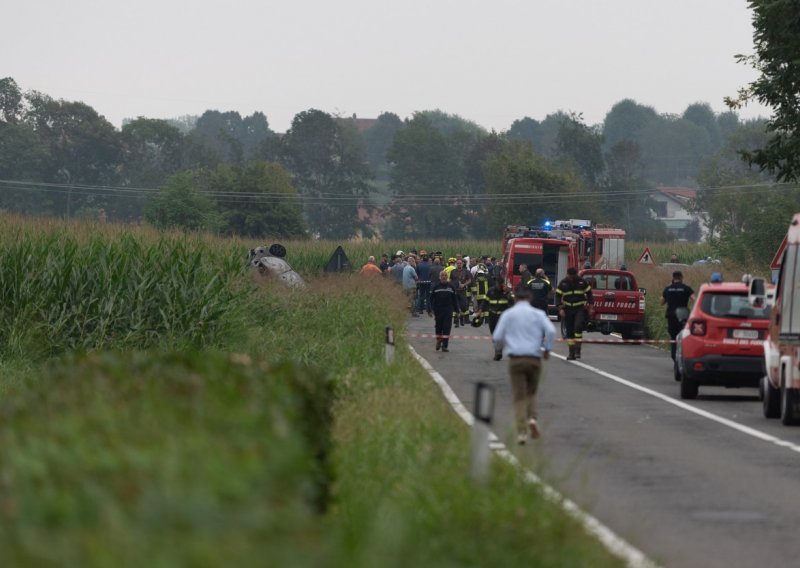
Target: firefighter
480,284
498,299
461,280
443,305
573,298
541,287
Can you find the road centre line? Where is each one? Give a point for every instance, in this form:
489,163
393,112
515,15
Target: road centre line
633,557
763,436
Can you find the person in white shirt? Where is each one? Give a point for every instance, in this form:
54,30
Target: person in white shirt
526,336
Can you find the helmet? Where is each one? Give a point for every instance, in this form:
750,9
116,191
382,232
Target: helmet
482,269
399,253
477,320
451,260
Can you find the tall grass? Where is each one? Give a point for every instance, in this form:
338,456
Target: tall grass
59,294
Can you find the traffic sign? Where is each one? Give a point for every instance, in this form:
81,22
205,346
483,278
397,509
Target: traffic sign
646,257
778,258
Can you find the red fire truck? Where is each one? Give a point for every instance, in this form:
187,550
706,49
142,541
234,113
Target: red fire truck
559,245
780,388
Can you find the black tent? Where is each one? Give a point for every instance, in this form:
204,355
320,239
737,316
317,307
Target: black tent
338,262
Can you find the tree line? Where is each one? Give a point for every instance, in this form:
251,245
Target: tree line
432,174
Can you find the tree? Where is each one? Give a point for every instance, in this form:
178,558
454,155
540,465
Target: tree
233,138
424,167
745,213
530,189
581,146
526,129
625,121
152,151
329,168
83,148
378,140
180,204
777,42
702,115
10,101
267,203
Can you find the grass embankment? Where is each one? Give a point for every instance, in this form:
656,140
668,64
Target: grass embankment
213,444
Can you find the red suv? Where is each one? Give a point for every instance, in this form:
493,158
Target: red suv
722,342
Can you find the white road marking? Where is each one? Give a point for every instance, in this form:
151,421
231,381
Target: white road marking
616,545
758,434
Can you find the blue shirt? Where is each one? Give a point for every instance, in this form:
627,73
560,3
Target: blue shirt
409,277
523,331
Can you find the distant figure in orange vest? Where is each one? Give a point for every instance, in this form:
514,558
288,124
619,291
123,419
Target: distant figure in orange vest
370,269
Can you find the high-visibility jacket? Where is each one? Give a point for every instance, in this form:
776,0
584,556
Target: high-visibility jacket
573,293
499,299
481,286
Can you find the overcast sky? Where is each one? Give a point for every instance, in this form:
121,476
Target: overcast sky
490,61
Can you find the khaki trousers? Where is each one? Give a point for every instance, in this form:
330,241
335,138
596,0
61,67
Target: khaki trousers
524,372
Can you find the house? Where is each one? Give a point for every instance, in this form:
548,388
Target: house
674,207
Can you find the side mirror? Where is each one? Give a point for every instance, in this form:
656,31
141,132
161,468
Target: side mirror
682,314
757,294
643,291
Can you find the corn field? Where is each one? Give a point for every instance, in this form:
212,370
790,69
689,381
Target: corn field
60,292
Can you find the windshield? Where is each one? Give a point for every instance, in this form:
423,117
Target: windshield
727,305
599,281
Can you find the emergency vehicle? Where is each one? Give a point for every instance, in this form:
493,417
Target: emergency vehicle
722,341
780,386
618,303
557,246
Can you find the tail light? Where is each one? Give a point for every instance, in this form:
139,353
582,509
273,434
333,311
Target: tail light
641,305
697,327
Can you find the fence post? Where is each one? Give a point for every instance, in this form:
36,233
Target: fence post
482,413
389,345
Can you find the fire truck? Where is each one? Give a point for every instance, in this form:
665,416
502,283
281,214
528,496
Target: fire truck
780,387
559,245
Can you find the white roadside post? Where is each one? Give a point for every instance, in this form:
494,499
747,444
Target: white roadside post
389,345
484,409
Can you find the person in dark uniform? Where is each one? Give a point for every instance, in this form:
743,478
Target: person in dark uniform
525,275
443,304
540,285
573,298
676,295
461,280
499,299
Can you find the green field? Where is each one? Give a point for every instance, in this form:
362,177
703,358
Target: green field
163,406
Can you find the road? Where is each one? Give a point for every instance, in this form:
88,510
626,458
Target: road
709,482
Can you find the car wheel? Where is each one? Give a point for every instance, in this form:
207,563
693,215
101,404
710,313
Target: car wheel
676,370
631,334
771,400
689,388
563,328
788,406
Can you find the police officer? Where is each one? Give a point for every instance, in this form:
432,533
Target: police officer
498,299
676,295
573,297
540,285
443,305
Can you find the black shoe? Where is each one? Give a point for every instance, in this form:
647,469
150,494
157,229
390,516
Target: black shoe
445,350
457,324
438,344
498,355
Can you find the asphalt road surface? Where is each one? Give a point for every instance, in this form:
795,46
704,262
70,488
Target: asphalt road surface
707,483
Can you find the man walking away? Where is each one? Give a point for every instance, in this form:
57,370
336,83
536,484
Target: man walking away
540,285
526,336
443,304
461,280
676,295
573,298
